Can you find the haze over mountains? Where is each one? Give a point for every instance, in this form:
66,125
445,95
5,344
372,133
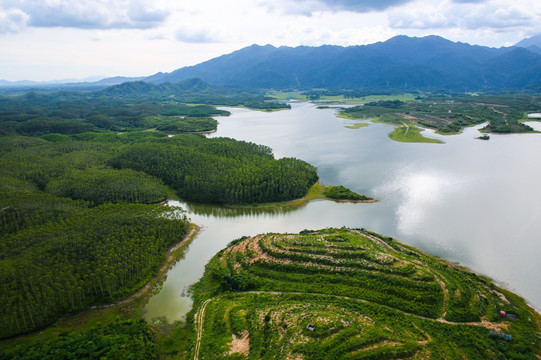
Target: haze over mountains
431,62
532,43
428,63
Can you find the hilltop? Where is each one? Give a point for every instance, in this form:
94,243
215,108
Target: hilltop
340,293
532,43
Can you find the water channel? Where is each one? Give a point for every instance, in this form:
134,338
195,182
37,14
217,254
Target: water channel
470,201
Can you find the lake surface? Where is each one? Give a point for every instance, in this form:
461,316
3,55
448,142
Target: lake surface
471,201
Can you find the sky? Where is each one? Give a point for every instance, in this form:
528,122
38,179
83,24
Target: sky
45,40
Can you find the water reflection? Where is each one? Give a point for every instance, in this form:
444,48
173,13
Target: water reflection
536,125
471,201
419,194
227,211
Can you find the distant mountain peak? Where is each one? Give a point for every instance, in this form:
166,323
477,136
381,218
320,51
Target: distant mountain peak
268,46
531,41
414,38
419,40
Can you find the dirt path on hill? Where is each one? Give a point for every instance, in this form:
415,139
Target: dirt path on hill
199,319
200,315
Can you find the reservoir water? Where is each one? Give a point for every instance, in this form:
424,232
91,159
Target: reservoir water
470,201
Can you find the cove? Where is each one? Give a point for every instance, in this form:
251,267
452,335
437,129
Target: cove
470,201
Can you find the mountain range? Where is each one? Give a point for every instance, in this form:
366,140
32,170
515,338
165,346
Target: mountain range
428,63
402,62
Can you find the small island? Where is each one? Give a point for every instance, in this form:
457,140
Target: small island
342,193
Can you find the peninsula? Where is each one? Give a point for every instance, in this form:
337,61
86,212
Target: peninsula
345,293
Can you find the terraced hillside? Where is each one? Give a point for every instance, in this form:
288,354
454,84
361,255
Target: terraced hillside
352,294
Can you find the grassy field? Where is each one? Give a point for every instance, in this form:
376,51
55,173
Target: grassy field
341,99
351,294
335,99
411,133
287,96
357,125
401,97
403,132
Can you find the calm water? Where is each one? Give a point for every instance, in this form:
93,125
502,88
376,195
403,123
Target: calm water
471,201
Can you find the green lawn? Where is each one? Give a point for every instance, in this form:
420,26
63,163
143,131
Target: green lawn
357,125
410,133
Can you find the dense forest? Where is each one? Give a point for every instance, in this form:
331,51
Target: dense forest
219,170
83,178
97,255
35,114
175,108
80,183
121,339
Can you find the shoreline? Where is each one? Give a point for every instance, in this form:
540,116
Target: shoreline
314,193
193,132
128,307
173,255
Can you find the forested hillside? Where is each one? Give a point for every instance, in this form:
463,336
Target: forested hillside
121,339
70,113
76,225
98,255
220,170
60,250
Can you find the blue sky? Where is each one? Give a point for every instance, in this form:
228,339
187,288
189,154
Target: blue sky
60,39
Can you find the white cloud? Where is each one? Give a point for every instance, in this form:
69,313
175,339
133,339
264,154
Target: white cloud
347,36
494,16
361,6
303,8
89,14
12,20
422,19
167,34
197,35
308,7
498,17
469,1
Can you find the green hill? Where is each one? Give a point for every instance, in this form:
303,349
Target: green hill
352,294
